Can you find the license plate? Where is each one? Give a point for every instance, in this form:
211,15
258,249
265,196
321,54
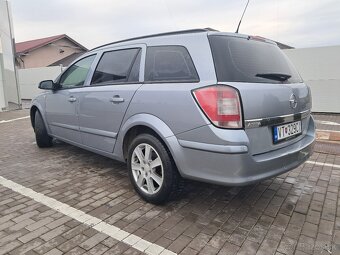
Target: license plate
287,130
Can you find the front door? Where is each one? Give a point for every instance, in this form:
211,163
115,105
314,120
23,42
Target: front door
62,104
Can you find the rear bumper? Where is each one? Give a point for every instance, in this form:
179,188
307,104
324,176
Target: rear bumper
234,165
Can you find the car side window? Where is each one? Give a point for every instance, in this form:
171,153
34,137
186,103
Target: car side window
169,64
114,66
76,74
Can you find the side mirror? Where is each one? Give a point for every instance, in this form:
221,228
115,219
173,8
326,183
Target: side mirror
48,85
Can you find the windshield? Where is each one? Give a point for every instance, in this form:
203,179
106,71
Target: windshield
246,60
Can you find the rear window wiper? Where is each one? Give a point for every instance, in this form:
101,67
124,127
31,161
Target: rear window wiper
274,76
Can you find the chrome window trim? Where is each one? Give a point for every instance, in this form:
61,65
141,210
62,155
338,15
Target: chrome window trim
255,123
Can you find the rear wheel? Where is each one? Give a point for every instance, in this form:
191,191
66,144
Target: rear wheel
152,170
42,138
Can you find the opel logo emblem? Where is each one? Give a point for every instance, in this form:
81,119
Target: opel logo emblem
293,101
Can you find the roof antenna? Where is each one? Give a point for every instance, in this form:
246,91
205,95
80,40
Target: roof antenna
241,17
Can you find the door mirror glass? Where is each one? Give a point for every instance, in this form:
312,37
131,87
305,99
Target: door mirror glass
48,85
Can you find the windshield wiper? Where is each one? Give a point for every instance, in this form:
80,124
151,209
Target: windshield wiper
274,76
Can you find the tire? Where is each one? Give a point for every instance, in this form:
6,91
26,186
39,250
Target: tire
164,169
42,138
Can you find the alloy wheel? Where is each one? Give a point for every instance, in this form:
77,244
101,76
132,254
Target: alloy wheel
147,168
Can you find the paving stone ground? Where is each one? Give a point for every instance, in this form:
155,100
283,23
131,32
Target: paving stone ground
294,213
327,121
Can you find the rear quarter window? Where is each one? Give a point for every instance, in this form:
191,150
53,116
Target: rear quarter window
169,64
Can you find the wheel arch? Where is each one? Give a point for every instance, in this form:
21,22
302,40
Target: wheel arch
34,108
135,131
138,124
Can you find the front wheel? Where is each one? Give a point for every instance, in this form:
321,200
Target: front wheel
152,170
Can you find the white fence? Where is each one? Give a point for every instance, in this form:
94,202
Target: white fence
319,67
29,79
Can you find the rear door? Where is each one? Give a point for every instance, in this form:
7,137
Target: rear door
271,90
102,104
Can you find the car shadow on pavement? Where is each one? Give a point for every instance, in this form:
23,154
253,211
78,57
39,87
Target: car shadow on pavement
192,189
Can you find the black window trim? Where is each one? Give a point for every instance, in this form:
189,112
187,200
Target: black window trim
59,78
130,68
133,62
171,81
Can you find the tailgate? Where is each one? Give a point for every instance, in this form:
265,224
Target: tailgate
272,92
267,106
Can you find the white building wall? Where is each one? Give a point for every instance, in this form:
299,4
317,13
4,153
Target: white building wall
9,94
320,69
2,92
29,79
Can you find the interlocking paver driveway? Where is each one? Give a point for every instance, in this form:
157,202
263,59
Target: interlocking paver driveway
295,213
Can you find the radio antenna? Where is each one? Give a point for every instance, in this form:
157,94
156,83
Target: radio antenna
242,17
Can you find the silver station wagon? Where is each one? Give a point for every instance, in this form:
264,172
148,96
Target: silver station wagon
217,107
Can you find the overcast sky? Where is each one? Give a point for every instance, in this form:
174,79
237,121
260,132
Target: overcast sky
299,23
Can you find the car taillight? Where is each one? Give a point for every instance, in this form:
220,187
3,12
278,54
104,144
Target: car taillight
221,104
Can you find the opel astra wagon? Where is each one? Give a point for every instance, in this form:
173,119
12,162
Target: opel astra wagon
216,107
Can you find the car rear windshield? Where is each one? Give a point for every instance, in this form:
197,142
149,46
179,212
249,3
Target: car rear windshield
248,60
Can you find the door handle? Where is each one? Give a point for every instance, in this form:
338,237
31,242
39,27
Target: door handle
116,99
72,99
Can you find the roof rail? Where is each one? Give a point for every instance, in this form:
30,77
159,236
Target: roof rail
199,30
